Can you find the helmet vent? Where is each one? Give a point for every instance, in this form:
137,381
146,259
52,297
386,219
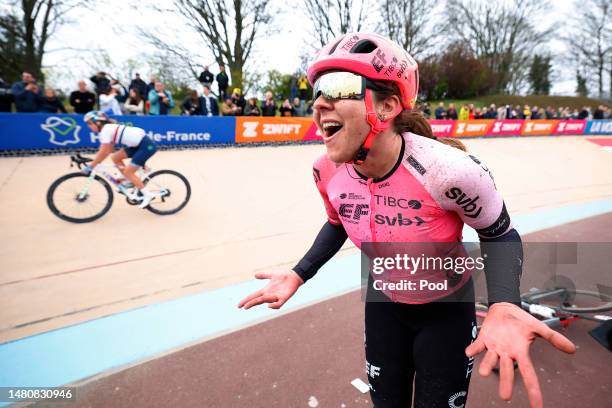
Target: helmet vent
363,47
336,45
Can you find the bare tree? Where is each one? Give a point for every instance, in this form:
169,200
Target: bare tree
229,29
590,41
502,33
409,23
25,30
330,18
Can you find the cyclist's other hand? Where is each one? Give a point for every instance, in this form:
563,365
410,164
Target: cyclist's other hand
280,288
86,170
506,334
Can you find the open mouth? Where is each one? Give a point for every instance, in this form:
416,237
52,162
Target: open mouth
331,128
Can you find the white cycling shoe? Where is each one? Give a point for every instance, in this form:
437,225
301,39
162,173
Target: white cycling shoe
147,197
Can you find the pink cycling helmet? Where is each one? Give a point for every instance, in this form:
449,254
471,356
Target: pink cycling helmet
372,56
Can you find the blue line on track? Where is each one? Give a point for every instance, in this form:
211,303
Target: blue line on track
75,352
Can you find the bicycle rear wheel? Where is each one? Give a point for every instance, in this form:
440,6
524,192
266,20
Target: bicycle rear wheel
583,301
173,191
77,198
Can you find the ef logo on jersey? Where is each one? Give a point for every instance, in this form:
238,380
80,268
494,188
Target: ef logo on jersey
353,211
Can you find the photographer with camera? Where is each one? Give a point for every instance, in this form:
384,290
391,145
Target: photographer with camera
102,81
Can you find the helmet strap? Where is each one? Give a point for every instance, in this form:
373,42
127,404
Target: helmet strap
376,126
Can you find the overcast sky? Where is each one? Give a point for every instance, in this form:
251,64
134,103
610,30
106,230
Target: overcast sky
117,35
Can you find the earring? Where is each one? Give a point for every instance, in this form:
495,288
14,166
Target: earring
381,117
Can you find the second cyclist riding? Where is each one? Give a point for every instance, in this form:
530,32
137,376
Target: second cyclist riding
79,197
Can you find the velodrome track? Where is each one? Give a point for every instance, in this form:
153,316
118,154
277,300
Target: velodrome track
252,209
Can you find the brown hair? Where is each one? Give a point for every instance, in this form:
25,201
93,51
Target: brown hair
411,120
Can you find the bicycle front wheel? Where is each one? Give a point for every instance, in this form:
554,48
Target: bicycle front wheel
172,191
78,198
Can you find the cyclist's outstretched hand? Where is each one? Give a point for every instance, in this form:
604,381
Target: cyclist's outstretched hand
280,288
506,334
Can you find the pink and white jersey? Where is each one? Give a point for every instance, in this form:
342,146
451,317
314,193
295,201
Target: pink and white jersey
119,134
427,197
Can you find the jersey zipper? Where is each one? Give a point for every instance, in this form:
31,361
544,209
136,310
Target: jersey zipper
371,188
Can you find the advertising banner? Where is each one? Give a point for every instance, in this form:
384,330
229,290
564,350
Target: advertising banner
257,129
570,127
442,128
508,127
599,127
478,127
48,131
539,127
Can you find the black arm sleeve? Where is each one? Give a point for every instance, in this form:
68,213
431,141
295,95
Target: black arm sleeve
327,243
503,260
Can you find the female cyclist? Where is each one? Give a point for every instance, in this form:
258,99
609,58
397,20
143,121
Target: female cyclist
386,178
138,146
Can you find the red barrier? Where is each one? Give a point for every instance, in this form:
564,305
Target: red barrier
570,127
506,127
442,128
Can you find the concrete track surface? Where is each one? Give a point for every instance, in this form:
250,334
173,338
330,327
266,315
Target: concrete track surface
257,209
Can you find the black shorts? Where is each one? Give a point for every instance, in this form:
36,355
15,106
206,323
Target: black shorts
424,344
141,153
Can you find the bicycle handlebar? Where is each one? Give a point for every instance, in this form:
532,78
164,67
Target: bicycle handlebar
79,160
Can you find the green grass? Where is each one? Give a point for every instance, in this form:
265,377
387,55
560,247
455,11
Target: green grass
573,102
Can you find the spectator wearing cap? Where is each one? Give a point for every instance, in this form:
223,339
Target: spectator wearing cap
82,100
50,103
268,106
139,84
26,93
222,82
238,100
206,78
209,103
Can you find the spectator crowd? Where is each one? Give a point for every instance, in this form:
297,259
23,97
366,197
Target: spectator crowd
469,112
141,98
